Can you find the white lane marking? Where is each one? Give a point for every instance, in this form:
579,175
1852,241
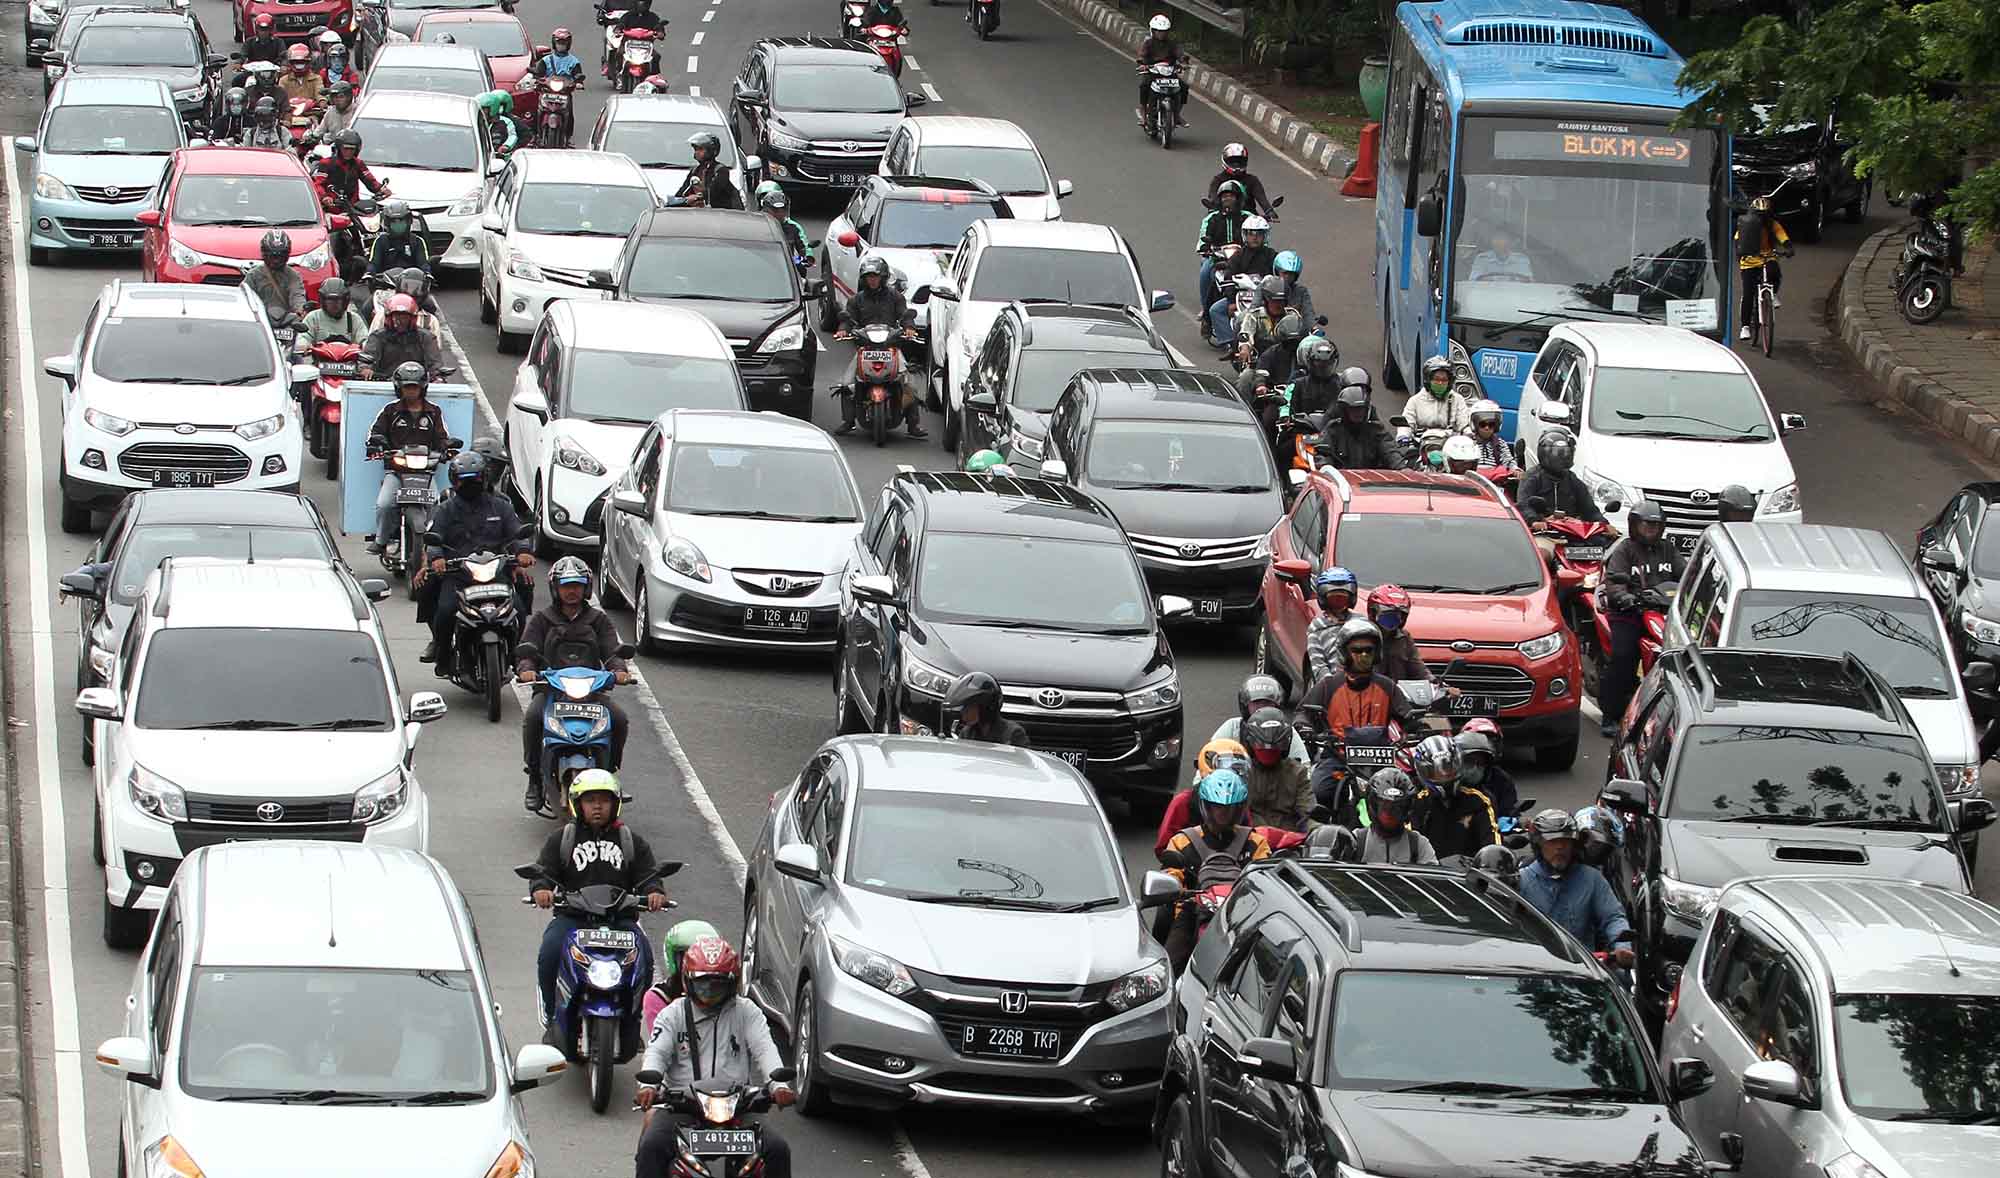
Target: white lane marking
911,62
72,1152
931,93
694,91
692,60
697,38
708,16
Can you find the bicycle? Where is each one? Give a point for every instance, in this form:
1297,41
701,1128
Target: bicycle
1766,324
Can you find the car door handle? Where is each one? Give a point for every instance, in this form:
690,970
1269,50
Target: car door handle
1697,1032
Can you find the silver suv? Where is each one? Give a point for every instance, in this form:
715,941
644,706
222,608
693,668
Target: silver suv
1852,1025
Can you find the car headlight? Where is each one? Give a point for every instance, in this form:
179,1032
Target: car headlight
1605,490
49,188
102,662
193,94
1024,446
789,338
575,457
166,1158
1155,697
919,675
317,259
1785,498
1690,902
1540,648
514,1162
182,256
1802,171
110,423
1851,1165
1958,779
789,142
155,796
1263,549
520,267
1979,629
379,801
466,205
1138,987
884,973
263,427
684,558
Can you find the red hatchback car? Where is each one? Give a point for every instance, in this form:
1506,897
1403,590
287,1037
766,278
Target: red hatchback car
498,35
220,202
293,19
1478,588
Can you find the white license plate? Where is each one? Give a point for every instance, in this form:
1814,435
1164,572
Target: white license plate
409,495
114,241
478,592
564,707
877,355
338,367
1685,541
607,938
1208,607
1369,756
1468,704
1010,1042
722,1142
847,179
183,478
764,617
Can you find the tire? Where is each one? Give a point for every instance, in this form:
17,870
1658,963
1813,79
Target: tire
948,432
316,436
1767,322
1814,225
747,959
1857,209
495,681
603,1046
847,719
878,423
1392,376
1555,758
545,548
981,25
829,311
1163,115
1263,664
75,517
125,928
1147,809
1922,301
1178,1158
97,833
814,1100
38,255
489,312
642,625
331,446
510,343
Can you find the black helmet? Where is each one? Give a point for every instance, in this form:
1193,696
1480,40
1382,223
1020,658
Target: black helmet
877,265
1355,630
1352,397
1257,691
1333,842
972,688
348,137
1267,731
1552,823
1271,289
332,290
340,89
1318,356
234,99
705,141
396,217
1497,860
1390,795
1357,376
411,372
1556,449
1291,329
468,467
266,108
1645,511
276,247
1738,503
1599,835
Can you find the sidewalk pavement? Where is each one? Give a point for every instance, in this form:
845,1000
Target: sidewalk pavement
1295,136
1948,370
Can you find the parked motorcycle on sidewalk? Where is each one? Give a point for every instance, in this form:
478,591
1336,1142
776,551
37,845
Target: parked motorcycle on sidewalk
1923,271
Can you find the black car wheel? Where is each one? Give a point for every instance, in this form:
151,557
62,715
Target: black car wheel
1858,207
1812,219
1177,1149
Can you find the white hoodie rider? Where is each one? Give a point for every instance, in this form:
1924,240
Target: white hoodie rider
1437,405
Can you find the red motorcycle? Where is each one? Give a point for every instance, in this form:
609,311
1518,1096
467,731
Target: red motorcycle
887,40
552,118
1653,606
339,362
878,379
985,18
301,116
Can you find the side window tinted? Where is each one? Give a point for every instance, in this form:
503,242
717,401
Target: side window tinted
1659,730
1710,633
1719,938
128,652
1309,529
892,536
1790,1033
649,471
1742,984
1699,598
164,970
812,790
1256,974
552,364
1292,1020
832,814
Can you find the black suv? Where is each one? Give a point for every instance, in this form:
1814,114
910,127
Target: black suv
1359,1021
819,110
1031,352
1753,762
1803,168
1032,583
1960,563
1182,462
735,268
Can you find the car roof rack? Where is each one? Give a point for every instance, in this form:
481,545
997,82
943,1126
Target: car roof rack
1345,922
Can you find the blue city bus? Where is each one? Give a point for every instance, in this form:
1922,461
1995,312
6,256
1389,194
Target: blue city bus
1527,142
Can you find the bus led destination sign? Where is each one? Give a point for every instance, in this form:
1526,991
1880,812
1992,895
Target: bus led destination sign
1594,142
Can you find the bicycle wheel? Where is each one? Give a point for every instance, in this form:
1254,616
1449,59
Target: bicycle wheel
1767,318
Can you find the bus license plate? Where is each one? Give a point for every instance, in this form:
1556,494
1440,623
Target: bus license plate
1010,1042
183,478
764,617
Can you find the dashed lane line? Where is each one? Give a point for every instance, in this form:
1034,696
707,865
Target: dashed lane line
931,93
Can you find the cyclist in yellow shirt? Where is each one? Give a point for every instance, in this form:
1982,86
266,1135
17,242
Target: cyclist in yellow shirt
1760,237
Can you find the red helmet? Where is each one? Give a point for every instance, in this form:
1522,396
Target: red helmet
263,22
401,304
1389,599
709,968
560,34
1485,726
298,54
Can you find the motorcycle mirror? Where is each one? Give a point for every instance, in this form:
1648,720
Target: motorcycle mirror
526,531
525,650
541,51
783,1075
626,650
1207,204
1278,202
455,443
527,871
434,539
1525,805
650,1077
848,238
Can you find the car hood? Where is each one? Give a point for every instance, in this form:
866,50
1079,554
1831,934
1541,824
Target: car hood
1938,1151
194,404
176,77
1090,662
1033,948
133,173
862,128
609,442
453,1139
918,266
736,321
423,186
975,319
1774,148
238,764
507,70
1669,462
1417,1136
1711,854
570,257
240,241
732,542
1194,515
405,20
1438,618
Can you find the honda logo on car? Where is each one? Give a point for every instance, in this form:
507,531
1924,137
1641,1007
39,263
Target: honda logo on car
1013,1002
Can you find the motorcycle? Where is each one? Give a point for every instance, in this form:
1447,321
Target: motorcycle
552,119
1581,546
887,40
1653,606
878,379
301,116
416,469
985,18
1923,270
636,53
339,362
723,1144
1366,750
488,622
851,12
1299,437
1165,86
576,723
598,987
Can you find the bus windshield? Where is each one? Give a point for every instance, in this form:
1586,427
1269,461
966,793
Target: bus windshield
1567,218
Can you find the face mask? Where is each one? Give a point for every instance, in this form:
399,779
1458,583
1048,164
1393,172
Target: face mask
1440,390
470,488
1474,774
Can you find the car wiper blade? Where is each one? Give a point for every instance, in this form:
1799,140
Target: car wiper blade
1919,692
343,725
1088,905
1733,430
236,221
162,380
1486,1087
1771,819
986,902
237,726
307,1096
1879,823
246,378
1511,587
441,1096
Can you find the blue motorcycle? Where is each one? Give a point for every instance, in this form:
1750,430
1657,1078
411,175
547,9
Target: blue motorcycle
602,978
576,723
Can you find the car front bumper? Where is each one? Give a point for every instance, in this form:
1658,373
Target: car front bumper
522,300
1220,593
782,381
718,613
70,224
807,169
453,241
576,504
272,464
1130,753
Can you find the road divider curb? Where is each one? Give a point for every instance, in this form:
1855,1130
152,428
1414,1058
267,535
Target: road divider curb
1296,137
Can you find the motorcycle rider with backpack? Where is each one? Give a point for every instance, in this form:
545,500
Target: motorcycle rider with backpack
1280,788
334,319
568,632
707,182
1457,819
1643,560
1352,441
668,983
398,246
971,711
1260,691
1220,227
1236,167
1355,696
1214,851
264,130
877,301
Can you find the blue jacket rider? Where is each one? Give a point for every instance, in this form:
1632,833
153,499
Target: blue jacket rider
1570,894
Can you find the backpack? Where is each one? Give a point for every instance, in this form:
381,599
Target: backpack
1749,234
569,841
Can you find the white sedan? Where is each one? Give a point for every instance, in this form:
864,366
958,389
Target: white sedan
551,218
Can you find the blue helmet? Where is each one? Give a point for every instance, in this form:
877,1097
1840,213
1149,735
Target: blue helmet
1289,262
1223,788
1600,833
1337,577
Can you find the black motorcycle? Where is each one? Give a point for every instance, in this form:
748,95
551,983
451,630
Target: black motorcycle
487,624
719,1142
1923,272
415,468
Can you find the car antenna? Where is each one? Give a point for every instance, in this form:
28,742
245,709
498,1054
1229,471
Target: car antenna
1944,948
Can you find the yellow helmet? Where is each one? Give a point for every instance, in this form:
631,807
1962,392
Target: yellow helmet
1222,754
592,781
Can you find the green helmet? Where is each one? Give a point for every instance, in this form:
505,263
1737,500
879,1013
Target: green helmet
496,103
679,937
984,461
767,186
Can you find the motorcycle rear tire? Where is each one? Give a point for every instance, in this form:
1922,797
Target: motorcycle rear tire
981,25
331,446
625,81
316,437
1922,299
490,656
602,1042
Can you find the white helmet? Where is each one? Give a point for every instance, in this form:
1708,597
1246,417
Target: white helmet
1485,409
1159,23
1256,224
1459,448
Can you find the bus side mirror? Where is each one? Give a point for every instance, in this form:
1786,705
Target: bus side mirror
1430,216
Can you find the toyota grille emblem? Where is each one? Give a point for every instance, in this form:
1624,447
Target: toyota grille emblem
113,192
269,812
850,147
1013,1002
1698,496
1050,698
1461,646
781,584
1190,550
184,429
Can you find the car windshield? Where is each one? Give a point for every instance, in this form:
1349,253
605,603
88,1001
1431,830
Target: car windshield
135,46
248,678
837,89
581,210
929,224
1012,171
162,350
1441,553
664,145
1664,403
145,546
1043,373
426,80
1179,456
494,38
317,1035
245,200
712,269
1920,1057
952,848
1082,585
409,143
1803,776
1897,636
639,386
1550,1036
763,482
1063,276
111,130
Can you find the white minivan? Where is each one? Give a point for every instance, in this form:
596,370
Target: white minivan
1660,413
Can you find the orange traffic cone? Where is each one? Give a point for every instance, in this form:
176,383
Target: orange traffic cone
1361,182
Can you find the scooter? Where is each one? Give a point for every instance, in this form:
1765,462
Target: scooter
887,40
488,622
1164,87
339,362
576,723
851,12
301,116
636,53
1581,546
722,1143
878,379
416,469
1923,271
598,987
985,18
1653,606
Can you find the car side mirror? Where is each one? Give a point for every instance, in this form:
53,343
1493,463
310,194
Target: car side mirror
630,502
1971,814
912,99
83,583
1163,300
875,591
1430,215
1172,605
1064,188
372,3
749,97
603,280
983,399
217,60
1791,423
53,57
63,368
98,703
1298,572
1296,477
495,167
375,588
305,373
1623,794
39,45
1778,1082
813,288
1270,1059
493,223
26,144
1940,558
1054,469
753,165
1979,677
1688,1078
532,403
426,706
800,861
849,239
1157,888
128,1058
538,1063
1553,412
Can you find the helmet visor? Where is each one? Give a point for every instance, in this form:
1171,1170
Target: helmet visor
710,989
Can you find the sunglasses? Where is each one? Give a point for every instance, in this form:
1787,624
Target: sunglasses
1361,652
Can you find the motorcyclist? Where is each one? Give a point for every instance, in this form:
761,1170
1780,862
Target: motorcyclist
637,14
301,83
1480,769
497,107
342,174
1736,504
399,339
1485,434
1645,559
339,110
1552,488
971,711
559,62
1236,166
398,245
1355,700
1221,226
264,129
1436,406
668,981
259,79
334,64
1456,818
1280,788
877,301
1580,901
1388,836
1460,455
988,462
471,519
715,1033
1337,590
1264,384
1760,238
707,182
1259,691
885,12
263,43
275,283
1255,259
1600,836
1216,754
334,319
1353,442
409,420
592,849
1498,862
1291,267
232,116
568,632
1214,851
1315,376
778,207
1389,608
1157,47
1257,329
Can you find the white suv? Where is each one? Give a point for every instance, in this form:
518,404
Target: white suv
249,700
174,385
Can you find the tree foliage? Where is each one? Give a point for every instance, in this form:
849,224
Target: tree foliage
1916,86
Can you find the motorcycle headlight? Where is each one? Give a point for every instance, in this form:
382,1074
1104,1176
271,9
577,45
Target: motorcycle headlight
1535,649
1690,902
789,338
465,205
520,267
381,800
263,427
1138,987
605,975
155,796
919,675
884,973
1958,779
718,1109
1979,629
1024,446
1785,498
110,423
49,188
1802,171
317,259
1155,697
575,457
777,138
1605,490
684,558
182,256
481,571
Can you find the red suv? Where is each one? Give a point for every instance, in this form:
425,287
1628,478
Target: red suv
293,18
1479,593
220,202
